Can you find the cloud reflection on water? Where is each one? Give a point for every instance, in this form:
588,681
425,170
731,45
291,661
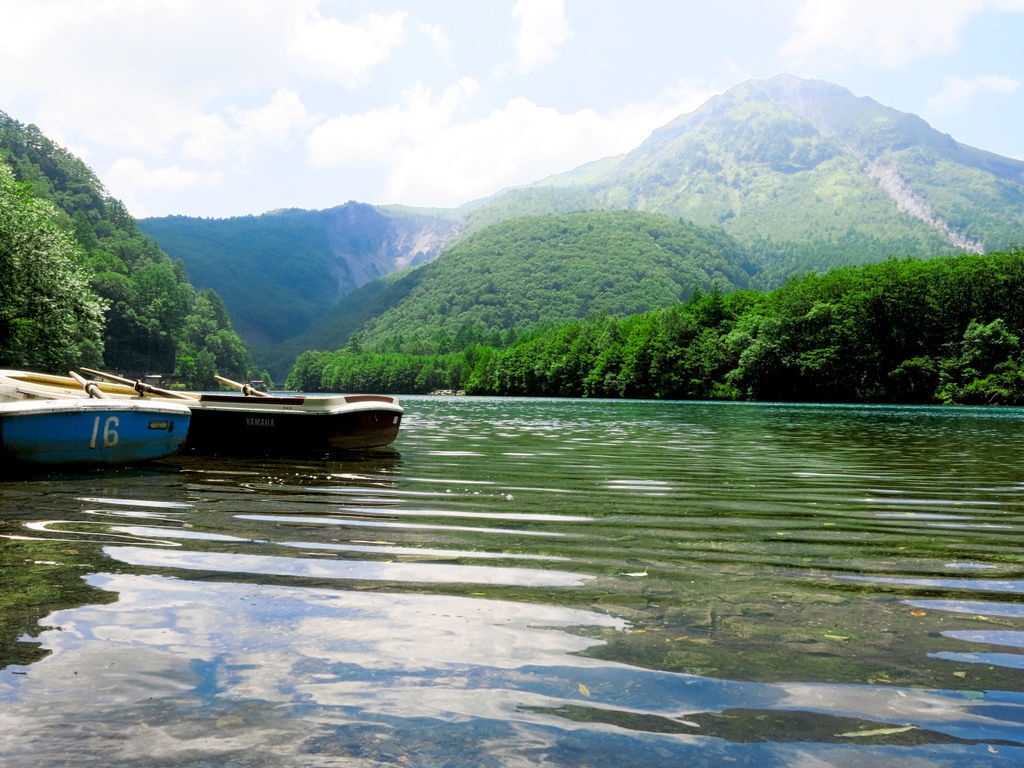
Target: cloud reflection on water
362,570
208,672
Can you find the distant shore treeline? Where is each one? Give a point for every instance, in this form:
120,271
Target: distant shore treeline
946,330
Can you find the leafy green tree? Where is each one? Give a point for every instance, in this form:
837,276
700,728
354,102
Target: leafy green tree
985,367
307,374
49,317
147,297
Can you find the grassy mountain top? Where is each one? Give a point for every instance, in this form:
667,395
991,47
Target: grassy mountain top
806,175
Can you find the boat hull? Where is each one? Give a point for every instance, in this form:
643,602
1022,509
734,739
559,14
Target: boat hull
242,425
230,424
90,432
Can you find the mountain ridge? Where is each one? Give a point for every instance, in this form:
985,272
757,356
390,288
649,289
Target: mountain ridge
803,174
823,123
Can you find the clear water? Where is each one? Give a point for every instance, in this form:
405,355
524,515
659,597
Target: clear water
533,582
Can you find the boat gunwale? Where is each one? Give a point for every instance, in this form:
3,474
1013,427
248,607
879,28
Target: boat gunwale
30,407
31,385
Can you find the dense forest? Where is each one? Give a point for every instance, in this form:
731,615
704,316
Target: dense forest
81,285
513,275
945,330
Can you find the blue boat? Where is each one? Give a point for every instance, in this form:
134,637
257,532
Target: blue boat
88,431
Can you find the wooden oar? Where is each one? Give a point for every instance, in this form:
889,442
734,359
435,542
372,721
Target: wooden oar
140,386
89,386
245,389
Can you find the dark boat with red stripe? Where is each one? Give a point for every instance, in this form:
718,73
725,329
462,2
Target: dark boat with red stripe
242,424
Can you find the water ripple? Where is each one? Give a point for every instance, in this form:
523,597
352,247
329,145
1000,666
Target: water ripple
346,570
537,582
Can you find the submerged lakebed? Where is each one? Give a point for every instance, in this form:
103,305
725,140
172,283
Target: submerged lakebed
533,582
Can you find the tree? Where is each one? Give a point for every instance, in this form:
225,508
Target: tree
148,297
50,319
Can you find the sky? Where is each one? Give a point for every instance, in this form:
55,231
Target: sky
219,108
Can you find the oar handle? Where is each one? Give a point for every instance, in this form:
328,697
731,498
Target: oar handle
90,387
245,389
109,376
139,385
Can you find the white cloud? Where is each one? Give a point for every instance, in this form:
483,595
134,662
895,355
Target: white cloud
430,157
842,33
377,136
240,133
103,68
345,52
129,177
208,139
959,90
438,38
514,145
277,122
542,29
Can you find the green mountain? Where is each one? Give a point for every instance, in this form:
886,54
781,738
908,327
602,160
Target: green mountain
80,284
514,275
801,174
804,173
280,271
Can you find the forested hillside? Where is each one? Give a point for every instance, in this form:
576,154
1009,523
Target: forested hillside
943,330
81,284
547,269
49,317
280,271
538,270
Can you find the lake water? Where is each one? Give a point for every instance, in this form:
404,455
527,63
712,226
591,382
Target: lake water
533,583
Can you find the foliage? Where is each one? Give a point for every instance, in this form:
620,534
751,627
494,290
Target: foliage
353,371
154,320
48,316
300,263
548,269
941,330
679,352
